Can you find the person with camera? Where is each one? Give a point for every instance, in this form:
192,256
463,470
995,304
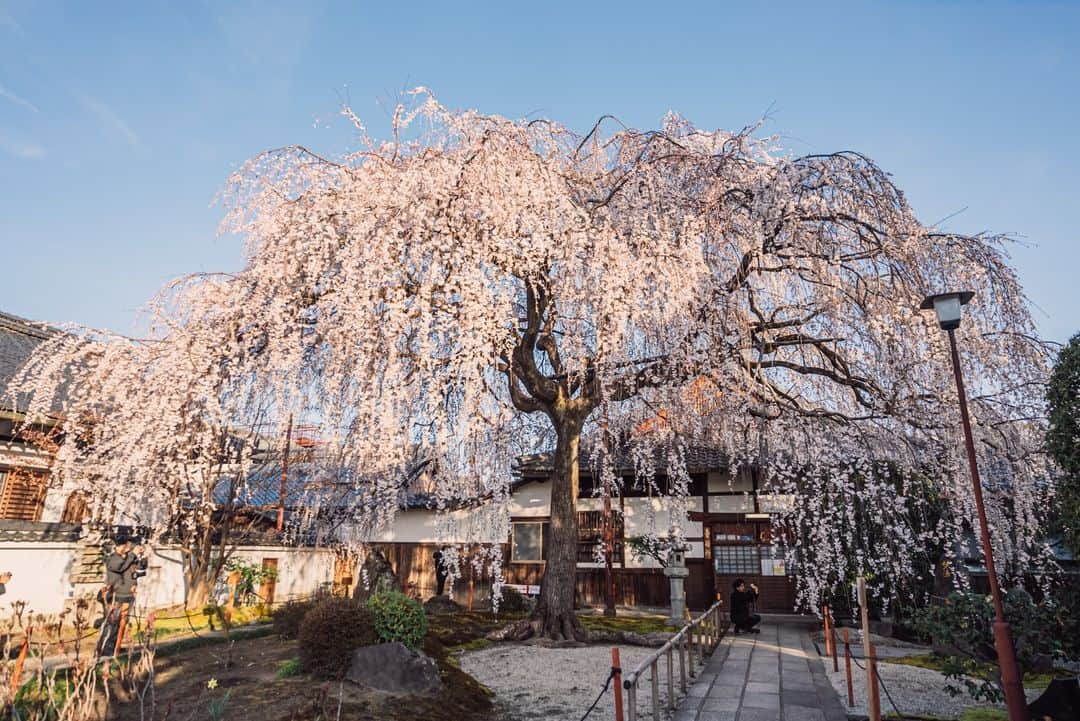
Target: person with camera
741,604
123,567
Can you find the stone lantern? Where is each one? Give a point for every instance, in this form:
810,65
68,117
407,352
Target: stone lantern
676,571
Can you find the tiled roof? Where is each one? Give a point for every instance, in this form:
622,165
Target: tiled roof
699,459
24,531
19,338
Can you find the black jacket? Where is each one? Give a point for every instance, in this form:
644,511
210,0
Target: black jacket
120,572
740,604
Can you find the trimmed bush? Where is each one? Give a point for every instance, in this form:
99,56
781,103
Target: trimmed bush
287,618
512,601
396,617
330,632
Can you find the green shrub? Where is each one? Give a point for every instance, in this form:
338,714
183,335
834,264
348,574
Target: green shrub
962,631
289,667
396,617
330,632
287,618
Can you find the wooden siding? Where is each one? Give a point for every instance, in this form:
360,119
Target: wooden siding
414,566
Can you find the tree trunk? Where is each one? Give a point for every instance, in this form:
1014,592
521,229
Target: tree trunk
198,591
554,615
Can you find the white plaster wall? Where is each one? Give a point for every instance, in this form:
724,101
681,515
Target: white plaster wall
732,504
301,571
531,499
39,575
642,516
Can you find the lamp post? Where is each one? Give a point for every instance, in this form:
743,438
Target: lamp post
947,307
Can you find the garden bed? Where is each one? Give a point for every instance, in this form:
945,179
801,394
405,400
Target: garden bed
256,680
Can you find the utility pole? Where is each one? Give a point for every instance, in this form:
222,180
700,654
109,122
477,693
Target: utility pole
284,477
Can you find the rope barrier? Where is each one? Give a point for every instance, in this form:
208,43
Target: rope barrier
877,675
607,682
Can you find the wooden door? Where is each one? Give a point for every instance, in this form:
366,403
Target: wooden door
269,585
744,550
344,573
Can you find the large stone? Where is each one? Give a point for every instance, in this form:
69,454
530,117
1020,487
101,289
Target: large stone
376,576
393,668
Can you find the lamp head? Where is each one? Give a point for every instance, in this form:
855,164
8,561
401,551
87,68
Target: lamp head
947,307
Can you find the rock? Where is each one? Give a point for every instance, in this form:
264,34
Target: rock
1060,700
393,668
376,576
440,604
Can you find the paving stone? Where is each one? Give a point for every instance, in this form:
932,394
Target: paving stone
798,698
716,716
803,713
721,690
721,704
759,714
761,700
775,676
699,690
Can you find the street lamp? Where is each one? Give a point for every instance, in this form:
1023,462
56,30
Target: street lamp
947,307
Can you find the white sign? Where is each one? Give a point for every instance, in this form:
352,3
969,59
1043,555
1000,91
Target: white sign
523,589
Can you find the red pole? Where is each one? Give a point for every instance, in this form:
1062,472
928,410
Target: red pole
832,638
875,696
617,668
1011,681
847,668
16,674
284,477
828,634
123,626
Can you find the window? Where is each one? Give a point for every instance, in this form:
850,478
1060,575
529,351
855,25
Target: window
22,494
527,543
736,560
591,533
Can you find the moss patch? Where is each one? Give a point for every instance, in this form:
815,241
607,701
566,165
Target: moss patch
935,662
635,624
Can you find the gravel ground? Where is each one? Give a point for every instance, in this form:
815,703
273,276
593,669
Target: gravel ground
915,690
532,682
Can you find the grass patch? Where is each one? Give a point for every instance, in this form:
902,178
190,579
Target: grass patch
635,624
238,634
984,714
289,667
935,662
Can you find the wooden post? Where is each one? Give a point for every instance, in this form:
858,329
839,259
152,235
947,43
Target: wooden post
847,668
470,586
670,680
871,680
631,702
654,683
682,666
616,668
232,581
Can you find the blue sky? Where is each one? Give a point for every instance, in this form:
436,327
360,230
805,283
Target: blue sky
119,122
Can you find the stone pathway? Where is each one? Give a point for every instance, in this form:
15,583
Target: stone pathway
772,676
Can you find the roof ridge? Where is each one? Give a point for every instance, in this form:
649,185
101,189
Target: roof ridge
17,324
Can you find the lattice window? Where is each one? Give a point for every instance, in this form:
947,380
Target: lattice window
737,560
22,494
591,533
